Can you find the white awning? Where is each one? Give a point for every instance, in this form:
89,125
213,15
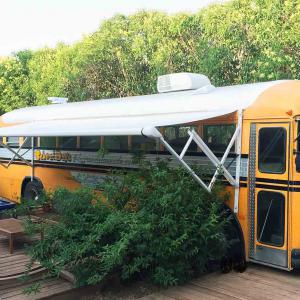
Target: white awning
130,115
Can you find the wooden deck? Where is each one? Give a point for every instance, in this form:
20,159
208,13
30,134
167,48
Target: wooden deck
13,265
256,283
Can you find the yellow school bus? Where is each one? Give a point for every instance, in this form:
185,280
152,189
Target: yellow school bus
247,135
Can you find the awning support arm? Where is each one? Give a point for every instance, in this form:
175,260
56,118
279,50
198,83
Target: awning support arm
18,151
232,141
219,164
183,163
220,167
16,154
238,162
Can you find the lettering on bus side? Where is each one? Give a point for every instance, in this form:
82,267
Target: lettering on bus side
56,155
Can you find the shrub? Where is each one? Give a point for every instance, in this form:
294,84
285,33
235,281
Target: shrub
152,223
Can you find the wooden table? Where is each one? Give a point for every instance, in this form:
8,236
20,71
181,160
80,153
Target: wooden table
11,228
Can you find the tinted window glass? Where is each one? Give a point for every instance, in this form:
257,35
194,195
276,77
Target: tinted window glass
271,150
67,142
116,143
217,137
270,218
90,142
12,141
177,137
142,143
48,142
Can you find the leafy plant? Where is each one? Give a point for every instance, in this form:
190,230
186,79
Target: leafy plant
154,223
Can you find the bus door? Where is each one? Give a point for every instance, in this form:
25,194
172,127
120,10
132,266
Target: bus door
268,193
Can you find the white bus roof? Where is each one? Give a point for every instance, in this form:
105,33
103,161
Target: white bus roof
129,115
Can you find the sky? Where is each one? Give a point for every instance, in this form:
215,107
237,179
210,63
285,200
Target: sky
32,24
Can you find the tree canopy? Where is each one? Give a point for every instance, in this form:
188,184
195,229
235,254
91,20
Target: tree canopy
235,42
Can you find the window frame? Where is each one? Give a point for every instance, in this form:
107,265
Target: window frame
284,218
285,150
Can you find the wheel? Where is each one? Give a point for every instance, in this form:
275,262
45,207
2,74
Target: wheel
241,266
226,265
33,190
235,257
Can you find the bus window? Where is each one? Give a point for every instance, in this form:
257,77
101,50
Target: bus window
217,137
177,136
12,141
90,142
48,142
27,144
116,143
141,143
298,148
270,218
67,142
271,150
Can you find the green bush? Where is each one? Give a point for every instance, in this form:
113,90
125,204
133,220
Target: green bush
154,223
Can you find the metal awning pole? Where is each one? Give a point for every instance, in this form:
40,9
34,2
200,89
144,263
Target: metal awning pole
16,154
18,151
184,164
32,158
238,163
212,157
233,139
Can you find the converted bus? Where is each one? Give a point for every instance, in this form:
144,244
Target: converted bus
248,135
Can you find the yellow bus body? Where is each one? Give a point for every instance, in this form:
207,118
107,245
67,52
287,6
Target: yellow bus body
277,107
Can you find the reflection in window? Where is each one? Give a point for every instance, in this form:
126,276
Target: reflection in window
116,143
90,142
270,218
217,137
67,142
177,137
271,150
144,144
48,142
12,141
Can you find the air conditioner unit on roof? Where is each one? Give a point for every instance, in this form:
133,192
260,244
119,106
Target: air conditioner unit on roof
181,82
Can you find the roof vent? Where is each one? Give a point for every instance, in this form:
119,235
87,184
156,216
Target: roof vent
181,82
57,100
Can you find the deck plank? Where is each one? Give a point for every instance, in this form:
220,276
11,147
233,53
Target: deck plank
16,263
256,283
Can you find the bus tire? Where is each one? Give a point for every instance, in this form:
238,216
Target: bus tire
33,190
235,257
226,264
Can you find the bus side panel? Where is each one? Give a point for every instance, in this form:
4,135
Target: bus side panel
11,181
53,178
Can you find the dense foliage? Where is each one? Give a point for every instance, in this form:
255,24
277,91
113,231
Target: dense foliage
155,223
235,42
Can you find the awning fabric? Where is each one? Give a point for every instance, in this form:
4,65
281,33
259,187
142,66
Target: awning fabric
130,115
